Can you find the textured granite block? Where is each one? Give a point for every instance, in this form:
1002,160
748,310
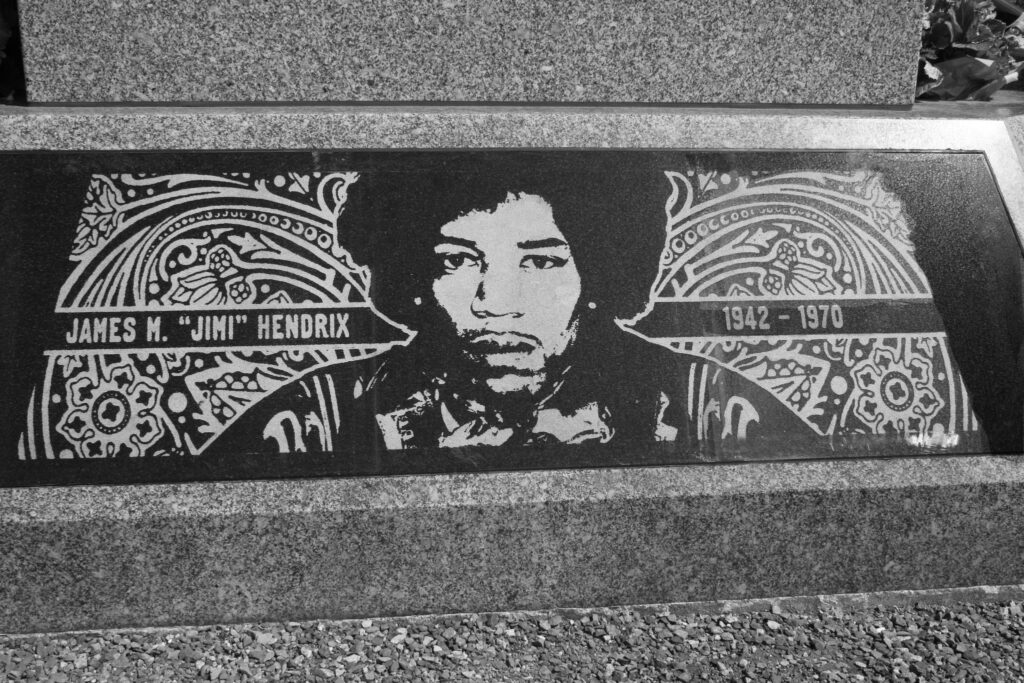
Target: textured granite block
112,556
91,557
733,51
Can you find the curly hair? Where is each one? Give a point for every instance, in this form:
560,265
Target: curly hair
609,205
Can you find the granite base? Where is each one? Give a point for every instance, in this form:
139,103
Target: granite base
100,557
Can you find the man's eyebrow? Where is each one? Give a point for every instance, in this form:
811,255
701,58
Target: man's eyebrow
470,244
541,244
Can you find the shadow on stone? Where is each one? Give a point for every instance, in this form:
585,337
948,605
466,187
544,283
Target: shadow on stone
12,69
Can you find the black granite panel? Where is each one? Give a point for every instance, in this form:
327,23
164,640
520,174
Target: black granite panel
181,316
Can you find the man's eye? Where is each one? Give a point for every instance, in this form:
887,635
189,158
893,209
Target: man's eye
543,262
452,262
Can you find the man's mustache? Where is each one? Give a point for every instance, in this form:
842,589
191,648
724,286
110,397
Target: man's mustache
500,342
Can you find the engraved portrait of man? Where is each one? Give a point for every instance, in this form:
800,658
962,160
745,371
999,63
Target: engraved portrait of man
518,276
399,311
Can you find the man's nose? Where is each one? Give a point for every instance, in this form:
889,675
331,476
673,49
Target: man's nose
498,294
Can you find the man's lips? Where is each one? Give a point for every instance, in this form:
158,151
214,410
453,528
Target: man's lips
486,343
506,352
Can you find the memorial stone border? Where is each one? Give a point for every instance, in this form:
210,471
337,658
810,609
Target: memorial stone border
134,488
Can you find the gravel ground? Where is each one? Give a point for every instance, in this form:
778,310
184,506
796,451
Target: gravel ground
975,641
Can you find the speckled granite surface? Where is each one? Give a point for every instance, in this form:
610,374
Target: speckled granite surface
734,51
304,127
106,556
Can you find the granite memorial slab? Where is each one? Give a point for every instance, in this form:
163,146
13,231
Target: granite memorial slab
187,316
603,51
533,522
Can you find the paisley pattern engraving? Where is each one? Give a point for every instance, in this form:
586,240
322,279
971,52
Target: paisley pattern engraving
192,243
827,242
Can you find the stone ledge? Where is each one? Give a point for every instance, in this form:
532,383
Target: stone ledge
98,557
441,126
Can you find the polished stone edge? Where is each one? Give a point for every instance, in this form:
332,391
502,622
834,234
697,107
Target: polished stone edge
310,127
325,496
298,128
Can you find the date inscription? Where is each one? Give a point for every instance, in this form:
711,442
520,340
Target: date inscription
809,317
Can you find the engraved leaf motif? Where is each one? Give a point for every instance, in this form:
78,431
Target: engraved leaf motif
886,211
100,216
300,183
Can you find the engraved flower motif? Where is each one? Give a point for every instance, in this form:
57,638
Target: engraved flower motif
217,280
895,394
113,415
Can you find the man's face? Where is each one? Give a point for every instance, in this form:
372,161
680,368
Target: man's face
508,284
